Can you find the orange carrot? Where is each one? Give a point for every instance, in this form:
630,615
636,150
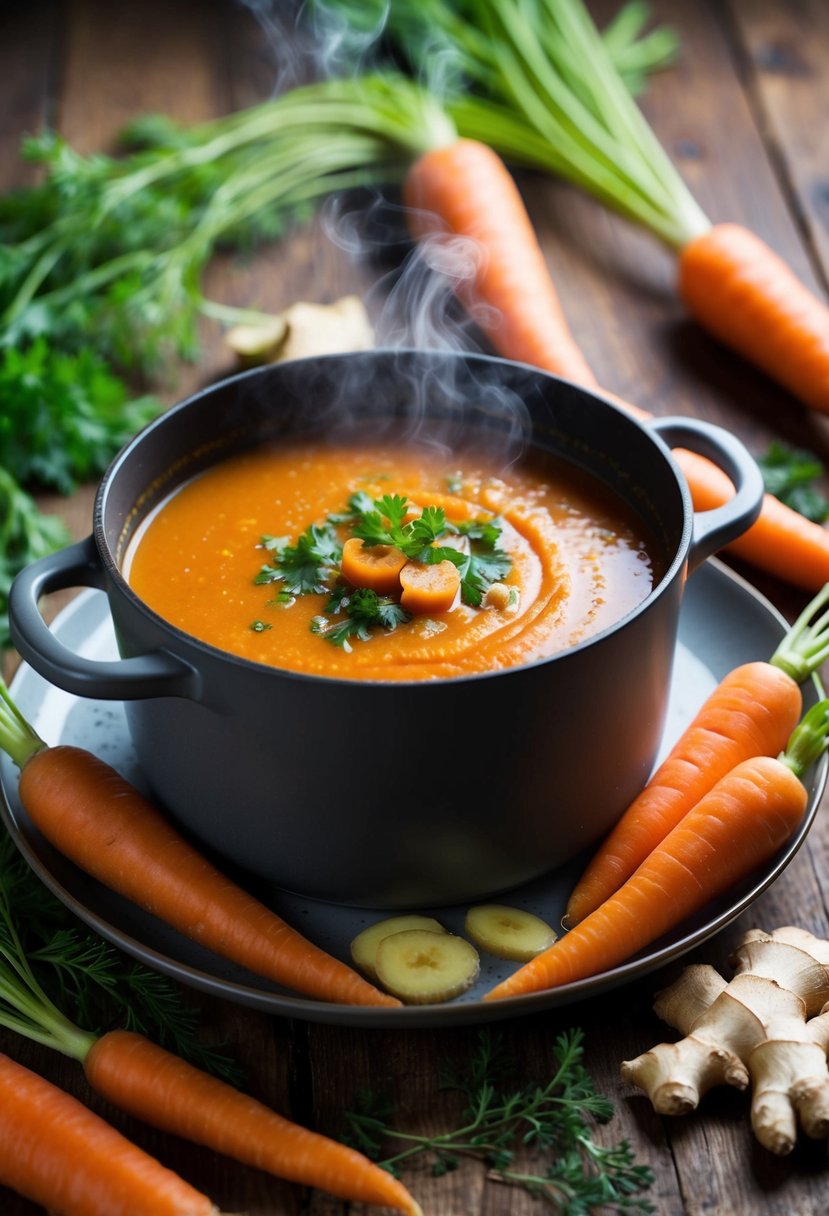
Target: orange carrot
464,189
751,712
429,588
102,823
781,541
106,827
159,1088
376,567
743,293
738,825
60,1155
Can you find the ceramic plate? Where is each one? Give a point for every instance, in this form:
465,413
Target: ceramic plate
724,622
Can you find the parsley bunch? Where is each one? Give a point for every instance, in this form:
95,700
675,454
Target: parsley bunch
538,1137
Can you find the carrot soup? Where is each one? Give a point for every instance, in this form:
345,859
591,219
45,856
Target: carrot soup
378,562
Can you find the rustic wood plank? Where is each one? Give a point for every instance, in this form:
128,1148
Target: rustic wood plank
27,83
787,70
149,56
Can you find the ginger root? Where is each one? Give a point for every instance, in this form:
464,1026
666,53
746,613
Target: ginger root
304,329
768,1028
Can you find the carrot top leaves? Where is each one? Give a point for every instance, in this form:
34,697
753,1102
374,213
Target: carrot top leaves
17,738
809,740
806,646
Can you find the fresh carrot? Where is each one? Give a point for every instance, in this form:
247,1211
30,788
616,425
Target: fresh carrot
376,567
751,712
150,1083
165,1091
781,541
104,825
429,588
463,189
554,99
743,293
56,1152
734,828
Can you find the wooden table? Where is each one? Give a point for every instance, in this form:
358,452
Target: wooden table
744,115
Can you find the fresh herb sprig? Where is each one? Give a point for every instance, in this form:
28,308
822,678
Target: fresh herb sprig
383,524
536,1137
312,565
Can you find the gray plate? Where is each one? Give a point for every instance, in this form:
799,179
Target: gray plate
724,622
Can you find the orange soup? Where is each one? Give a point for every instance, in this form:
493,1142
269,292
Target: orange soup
385,563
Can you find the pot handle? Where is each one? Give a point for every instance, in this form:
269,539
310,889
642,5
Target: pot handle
718,527
157,674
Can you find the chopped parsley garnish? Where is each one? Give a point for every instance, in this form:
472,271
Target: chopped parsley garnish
307,568
312,566
364,610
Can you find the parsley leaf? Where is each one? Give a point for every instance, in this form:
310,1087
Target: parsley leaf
25,535
481,569
364,610
306,568
383,525
789,474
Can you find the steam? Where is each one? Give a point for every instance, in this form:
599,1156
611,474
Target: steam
415,292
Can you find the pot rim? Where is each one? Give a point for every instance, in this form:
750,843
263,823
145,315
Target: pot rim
196,645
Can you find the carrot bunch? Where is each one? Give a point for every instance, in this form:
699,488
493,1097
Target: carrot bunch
725,798
544,89
739,824
751,712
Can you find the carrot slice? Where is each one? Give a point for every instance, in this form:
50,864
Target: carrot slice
374,566
429,588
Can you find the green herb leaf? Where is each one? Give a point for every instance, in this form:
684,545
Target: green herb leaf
26,534
306,568
790,474
64,416
364,611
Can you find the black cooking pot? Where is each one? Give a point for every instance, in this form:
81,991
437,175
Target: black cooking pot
393,794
